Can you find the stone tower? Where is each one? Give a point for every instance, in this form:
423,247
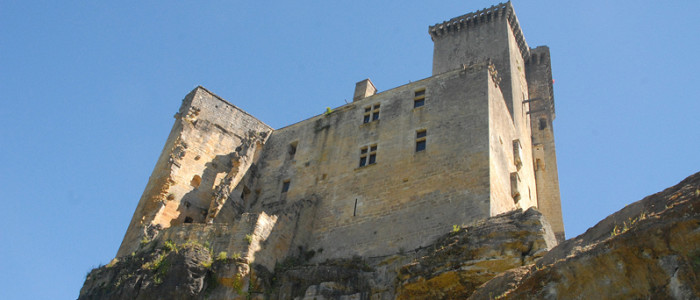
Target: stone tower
526,82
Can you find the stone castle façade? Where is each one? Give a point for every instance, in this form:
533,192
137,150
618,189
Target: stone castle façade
390,171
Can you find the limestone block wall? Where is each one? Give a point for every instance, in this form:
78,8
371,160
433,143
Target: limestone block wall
509,160
492,33
210,139
406,198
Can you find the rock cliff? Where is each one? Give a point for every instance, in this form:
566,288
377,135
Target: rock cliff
649,249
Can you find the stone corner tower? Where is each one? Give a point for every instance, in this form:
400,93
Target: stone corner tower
493,34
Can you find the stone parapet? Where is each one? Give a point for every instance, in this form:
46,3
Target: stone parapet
479,17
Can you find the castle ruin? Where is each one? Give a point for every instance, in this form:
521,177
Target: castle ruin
390,171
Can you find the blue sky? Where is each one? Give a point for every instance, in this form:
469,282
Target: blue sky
89,90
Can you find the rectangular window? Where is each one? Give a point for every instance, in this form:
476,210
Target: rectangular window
419,98
285,185
421,139
371,113
368,155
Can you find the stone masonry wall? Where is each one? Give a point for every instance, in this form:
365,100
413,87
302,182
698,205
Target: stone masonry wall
204,147
407,198
511,161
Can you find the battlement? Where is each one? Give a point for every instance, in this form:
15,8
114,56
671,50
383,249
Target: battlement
479,17
539,70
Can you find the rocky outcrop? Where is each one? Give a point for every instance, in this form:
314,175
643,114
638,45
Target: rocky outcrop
163,273
648,250
451,268
463,260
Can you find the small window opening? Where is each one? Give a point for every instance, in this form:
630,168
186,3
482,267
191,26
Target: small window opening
371,113
421,139
419,98
245,193
292,150
368,155
196,181
372,158
543,123
285,185
188,220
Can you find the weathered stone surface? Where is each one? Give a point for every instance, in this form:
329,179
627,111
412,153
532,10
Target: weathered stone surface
648,250
154,274
460,262
376,185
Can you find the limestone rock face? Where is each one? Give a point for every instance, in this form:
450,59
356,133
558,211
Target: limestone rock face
648,250
463,260
156,274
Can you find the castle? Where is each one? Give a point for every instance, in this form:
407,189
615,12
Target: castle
390,171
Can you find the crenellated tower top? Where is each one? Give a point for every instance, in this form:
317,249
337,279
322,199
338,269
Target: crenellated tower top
479,17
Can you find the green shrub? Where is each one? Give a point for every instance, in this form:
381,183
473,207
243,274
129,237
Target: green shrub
170,246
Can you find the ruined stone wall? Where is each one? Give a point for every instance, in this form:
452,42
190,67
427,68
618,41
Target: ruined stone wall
539,75
406,198
210,141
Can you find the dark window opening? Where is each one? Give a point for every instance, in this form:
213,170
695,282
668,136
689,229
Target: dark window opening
363,161
285,186
421,139
188,220
245,193
368,155
419,98
292,150
543,123
420,146
418,103
371,113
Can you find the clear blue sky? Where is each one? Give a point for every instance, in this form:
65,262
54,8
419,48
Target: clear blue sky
89,89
